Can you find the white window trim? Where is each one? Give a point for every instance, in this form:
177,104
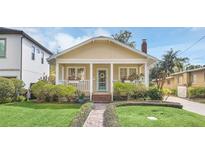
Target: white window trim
33,52
106,69
78,67
128,71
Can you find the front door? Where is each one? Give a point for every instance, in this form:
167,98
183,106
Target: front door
102,80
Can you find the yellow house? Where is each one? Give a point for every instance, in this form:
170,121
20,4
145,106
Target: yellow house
95,64
194,78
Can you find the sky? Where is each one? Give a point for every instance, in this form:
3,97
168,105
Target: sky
159,40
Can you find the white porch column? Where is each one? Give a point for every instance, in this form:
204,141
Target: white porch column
146,79
91,81
111,80
57,73
62,73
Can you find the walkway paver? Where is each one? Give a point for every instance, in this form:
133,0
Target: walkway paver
95,118
189,105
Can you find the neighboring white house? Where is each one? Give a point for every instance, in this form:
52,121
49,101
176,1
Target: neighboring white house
22,57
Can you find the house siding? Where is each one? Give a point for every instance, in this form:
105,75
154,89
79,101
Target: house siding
101,50
10,65
33,70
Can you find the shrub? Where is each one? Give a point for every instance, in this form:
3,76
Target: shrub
37,90
81,117
123,89
155,94
7,90
65,91
198,92
18,85
110,118
140,91
20,98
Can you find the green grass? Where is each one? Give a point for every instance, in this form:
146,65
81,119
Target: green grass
28,114
136,116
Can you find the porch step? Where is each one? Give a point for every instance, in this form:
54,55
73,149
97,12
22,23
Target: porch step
101,98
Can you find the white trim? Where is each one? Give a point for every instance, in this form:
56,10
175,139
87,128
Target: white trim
102,61
57,73
91,81
98,69
103,38
111,81
76,68
62,73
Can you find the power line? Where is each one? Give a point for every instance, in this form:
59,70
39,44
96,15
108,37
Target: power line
192,45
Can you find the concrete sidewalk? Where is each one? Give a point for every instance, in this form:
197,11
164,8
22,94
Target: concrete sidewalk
189,105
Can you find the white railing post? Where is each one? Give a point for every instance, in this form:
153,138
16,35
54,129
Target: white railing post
57,72
111,80
91,81
146,73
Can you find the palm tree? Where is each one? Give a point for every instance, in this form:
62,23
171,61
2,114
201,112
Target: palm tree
169,64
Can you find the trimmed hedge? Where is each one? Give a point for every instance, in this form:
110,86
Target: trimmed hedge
7,90
110,116
45,91
196,92
81,117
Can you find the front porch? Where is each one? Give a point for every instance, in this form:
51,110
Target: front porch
96,79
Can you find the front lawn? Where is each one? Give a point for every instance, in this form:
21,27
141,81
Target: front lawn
136,116
28,114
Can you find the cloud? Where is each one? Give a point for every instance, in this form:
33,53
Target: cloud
196,54
101,32
56,39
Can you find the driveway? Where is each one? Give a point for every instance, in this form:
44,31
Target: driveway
189,105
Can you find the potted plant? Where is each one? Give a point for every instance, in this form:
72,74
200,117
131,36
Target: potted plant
81,97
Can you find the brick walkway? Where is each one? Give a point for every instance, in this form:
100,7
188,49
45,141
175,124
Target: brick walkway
95,118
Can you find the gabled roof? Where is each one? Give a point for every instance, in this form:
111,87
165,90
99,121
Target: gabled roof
102,38
14,31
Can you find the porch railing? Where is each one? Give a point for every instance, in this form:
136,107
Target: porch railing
82,85
133,82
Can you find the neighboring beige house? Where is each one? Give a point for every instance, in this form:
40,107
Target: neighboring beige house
194,78
94,65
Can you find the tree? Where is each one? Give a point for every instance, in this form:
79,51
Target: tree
169,64
124,37
190,67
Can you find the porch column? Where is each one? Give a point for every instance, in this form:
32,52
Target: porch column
111,80
91,81
62,73
146,73
57,73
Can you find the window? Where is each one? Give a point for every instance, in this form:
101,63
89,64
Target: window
168,81
193,78
126,72
42,57
2,48
180,79
76,73
123,73
33,53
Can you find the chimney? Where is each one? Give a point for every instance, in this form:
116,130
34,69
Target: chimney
144,46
